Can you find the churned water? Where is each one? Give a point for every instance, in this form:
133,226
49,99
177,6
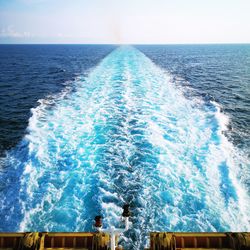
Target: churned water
129,132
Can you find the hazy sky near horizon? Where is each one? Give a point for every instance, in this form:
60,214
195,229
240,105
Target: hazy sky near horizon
125,21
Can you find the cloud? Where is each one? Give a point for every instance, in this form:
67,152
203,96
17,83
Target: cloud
10,32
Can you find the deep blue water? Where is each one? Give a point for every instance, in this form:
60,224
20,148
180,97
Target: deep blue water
32,72
212,72
164,128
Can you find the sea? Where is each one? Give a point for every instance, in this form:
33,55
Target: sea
85,129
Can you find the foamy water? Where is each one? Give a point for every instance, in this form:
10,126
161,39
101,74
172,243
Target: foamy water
125,134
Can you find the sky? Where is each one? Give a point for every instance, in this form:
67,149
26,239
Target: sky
125,21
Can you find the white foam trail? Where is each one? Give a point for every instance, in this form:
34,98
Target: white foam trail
128,134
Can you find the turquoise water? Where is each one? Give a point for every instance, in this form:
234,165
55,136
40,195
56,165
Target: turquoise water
125,133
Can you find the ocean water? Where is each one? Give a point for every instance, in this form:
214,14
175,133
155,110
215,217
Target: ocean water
146,125
29,73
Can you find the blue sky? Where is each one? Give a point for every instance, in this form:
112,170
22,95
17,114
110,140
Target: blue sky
125,21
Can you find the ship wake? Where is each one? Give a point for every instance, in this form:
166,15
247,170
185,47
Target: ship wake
125,134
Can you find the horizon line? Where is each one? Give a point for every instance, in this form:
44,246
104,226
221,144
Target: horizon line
124,44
